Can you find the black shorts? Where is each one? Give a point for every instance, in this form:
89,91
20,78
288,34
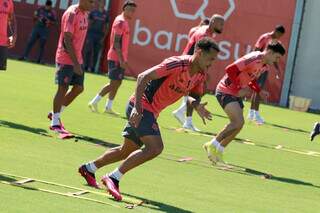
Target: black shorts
225,99
262,79
148,126
66,76
115,72
3,57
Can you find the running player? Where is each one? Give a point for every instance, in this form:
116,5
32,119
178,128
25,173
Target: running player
157,88
260,45
239,80
8,21
69,60
215,27
315,131
117,57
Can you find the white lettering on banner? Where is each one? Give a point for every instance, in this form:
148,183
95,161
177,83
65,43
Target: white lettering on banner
224,46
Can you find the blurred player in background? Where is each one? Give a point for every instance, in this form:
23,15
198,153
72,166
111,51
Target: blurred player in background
117,57
215,26
261,45
44,18
7,22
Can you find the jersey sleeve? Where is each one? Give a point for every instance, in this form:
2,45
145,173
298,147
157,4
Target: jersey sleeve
168,68
70,22
260,44
119,27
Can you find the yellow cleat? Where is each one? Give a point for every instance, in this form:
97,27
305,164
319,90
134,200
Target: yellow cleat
213,154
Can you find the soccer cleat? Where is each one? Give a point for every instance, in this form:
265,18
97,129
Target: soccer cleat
111,112
190,127
213,154
49,116
250,116
88,176
179,115
112,188
93,107
258,119
58,129
315,131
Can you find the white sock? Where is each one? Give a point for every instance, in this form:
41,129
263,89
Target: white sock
220,148
96,99
256,113
217,144
109,104
91,167
251,111
62,108
116,174
55,119
189,120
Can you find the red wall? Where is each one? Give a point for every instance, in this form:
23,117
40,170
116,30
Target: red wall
248,20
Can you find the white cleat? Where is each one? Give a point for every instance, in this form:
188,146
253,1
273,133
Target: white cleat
111,112
179,115
250,116
93,107
258,119
190,127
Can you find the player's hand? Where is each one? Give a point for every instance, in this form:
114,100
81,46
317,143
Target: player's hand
264,95
12,41
203,112
78,70
244,92
135,117
124,65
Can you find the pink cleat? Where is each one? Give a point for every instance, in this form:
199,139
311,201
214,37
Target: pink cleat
112,187
88,176
58,129
49,116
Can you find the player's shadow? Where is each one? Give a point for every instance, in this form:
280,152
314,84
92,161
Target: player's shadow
158,206
252,172
95,141
21,127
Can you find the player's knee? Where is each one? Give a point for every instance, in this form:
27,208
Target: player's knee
156,150
79,89
239,124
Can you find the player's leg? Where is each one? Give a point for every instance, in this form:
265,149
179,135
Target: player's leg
31,41
3,58
77,82
233,107
179,113
96,51
315,131
188,124
88,48
112,155
254,113
42,44
115,73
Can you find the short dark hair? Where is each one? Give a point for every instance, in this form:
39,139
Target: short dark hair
205,22
129,3
280,29
48,3
207,44
277,48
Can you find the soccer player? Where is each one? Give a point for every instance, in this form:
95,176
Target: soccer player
260,45
97,32
117,57
194,29
240,78
69,60
44,17
8,21
157,88
315,131
215,27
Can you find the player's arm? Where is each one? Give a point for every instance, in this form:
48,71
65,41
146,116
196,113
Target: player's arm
200,108
143,79
117,47
12,24
67,39
35,16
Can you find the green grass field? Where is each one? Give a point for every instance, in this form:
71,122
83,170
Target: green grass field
29,149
